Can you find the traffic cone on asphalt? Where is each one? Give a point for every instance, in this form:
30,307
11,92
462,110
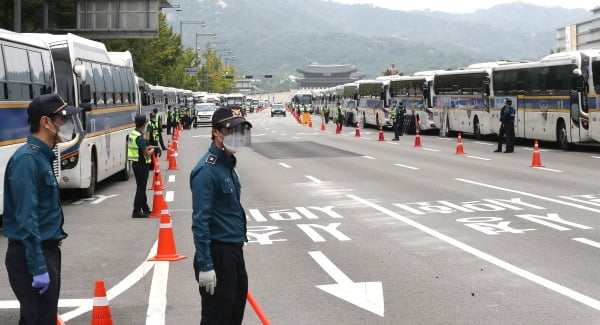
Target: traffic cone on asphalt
418,139
169,149
166,242
158,204
537,160
59,320
157,183
259,312
175,145
338,129
459,145
381,134
357,133
101,311
322,125
310,123
173,161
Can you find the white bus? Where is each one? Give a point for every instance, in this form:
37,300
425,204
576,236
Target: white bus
416,93
371,108
26,71
87,77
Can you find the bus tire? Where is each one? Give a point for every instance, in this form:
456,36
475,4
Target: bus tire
561,135
477,128
88,192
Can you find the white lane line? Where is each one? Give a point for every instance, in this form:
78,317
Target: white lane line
447,139
578,200
62,303
394,143
548,169
285,165
587,242
368,157
597,157
480,158
170,196
157,301
118,289
570,293
429,149
295,138
314,179
578,206
172,178
485,143
406,166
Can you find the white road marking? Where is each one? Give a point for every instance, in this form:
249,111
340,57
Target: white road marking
285,165
314,179
485,143
429,149
447,139
597,157
170,196
295,138
587,242
394,143
578,206
570,293
368,157
406,166
480,158
548,169
62,303
578,200
172,178
157,301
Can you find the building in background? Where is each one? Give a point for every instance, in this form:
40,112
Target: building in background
327,75
581,35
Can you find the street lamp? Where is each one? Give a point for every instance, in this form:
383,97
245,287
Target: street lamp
213,35
189,22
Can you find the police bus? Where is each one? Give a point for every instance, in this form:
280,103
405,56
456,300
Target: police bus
371,109
87,77
349,105
301,99
26,71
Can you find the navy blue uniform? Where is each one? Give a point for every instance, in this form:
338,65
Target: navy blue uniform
219,231
33,221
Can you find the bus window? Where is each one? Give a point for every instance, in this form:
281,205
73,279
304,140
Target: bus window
132,98
125,85
108,81
117,85
2,76
99,82
90,81
37,73
17,75
48,75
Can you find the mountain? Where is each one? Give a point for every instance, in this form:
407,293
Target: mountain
278,36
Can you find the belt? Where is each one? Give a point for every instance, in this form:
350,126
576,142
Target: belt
45,243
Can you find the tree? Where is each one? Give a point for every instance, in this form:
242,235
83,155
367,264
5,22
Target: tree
212,76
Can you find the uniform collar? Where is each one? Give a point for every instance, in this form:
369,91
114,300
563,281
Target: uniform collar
221,155
42,147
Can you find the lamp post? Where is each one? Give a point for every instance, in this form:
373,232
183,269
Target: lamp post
189,22
213,35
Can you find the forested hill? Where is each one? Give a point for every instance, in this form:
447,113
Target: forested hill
277,36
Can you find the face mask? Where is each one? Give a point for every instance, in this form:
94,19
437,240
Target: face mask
238,137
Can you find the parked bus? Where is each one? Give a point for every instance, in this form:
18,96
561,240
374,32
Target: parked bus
371,108
349,105
87,77
302,98
416,93
26,72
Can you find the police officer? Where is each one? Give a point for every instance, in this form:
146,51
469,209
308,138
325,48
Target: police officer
159,126
139,153
340,116
219,222
509,126
501,130
396,122
169,119
33,217
326,113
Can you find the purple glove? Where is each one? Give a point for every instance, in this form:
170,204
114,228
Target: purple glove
41,281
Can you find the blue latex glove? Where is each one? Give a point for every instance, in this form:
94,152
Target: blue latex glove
41,281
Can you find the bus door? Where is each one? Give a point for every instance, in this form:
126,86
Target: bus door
578,104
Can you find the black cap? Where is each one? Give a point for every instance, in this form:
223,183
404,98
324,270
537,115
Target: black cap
48,105
140,118
228,117
509,102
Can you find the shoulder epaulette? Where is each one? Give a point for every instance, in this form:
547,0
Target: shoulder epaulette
33,147
211,159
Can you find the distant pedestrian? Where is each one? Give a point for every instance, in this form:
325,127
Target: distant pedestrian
509,126
326,114
169,119
33,218
219,221
339,117
139,153
501,130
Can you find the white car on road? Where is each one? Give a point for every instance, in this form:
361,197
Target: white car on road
204,113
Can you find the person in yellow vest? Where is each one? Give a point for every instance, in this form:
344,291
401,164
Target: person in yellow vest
139,153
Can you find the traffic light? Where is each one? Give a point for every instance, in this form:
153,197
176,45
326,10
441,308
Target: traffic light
267,76
228,77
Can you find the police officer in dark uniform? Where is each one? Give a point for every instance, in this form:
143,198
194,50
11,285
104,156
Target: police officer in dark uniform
159,127
501,130
139,153
219,222
169,119
509,126
339,116
33,218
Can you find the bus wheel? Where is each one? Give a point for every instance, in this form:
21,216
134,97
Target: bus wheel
561,136
88,192
477,129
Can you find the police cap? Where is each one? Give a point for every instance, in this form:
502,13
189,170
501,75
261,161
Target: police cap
49,105
509,102
228,117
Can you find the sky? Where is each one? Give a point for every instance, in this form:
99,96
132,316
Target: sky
466,6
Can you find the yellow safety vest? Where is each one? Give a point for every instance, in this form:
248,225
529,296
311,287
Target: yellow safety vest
133,151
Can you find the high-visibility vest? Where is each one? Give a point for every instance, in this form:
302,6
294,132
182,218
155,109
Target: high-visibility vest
155,125
133,151
169,114
394,112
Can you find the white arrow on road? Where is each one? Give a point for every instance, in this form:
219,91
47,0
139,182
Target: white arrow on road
366,295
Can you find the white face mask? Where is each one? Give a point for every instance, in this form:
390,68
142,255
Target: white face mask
65,133
238,137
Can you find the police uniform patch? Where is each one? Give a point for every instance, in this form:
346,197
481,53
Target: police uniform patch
211,159
34,147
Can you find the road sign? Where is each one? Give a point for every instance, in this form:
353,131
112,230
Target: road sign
191,70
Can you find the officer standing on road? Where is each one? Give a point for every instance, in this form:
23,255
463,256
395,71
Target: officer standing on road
326,114
159,127
219,221
509,126
33,217
139,154
169,119
501,130
396,122
340,116
152,130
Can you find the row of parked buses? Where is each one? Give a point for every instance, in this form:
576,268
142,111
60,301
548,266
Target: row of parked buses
555,98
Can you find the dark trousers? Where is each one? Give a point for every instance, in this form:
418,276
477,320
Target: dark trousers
500,136
326,115
226,306
398,127
35,308
140,170
169,126
510,137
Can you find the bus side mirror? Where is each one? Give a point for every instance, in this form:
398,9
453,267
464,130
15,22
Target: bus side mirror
85,93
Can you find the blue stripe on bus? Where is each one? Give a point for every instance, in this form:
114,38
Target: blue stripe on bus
13,124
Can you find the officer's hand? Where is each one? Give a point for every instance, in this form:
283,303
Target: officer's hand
41,282
208,280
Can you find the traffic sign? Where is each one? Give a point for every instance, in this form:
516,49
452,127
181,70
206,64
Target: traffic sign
191,70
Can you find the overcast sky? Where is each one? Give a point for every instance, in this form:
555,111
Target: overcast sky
462,6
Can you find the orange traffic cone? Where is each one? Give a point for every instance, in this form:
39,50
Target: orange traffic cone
59,320
310,123
173,161
175,145
157,183
166,242
322,125
338,129
101,311
537,160
357,133
169,149
381,134
158,204
459,145
418,139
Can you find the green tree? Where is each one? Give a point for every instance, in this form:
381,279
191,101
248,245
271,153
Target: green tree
212,76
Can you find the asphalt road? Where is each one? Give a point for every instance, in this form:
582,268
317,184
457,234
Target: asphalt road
348,230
